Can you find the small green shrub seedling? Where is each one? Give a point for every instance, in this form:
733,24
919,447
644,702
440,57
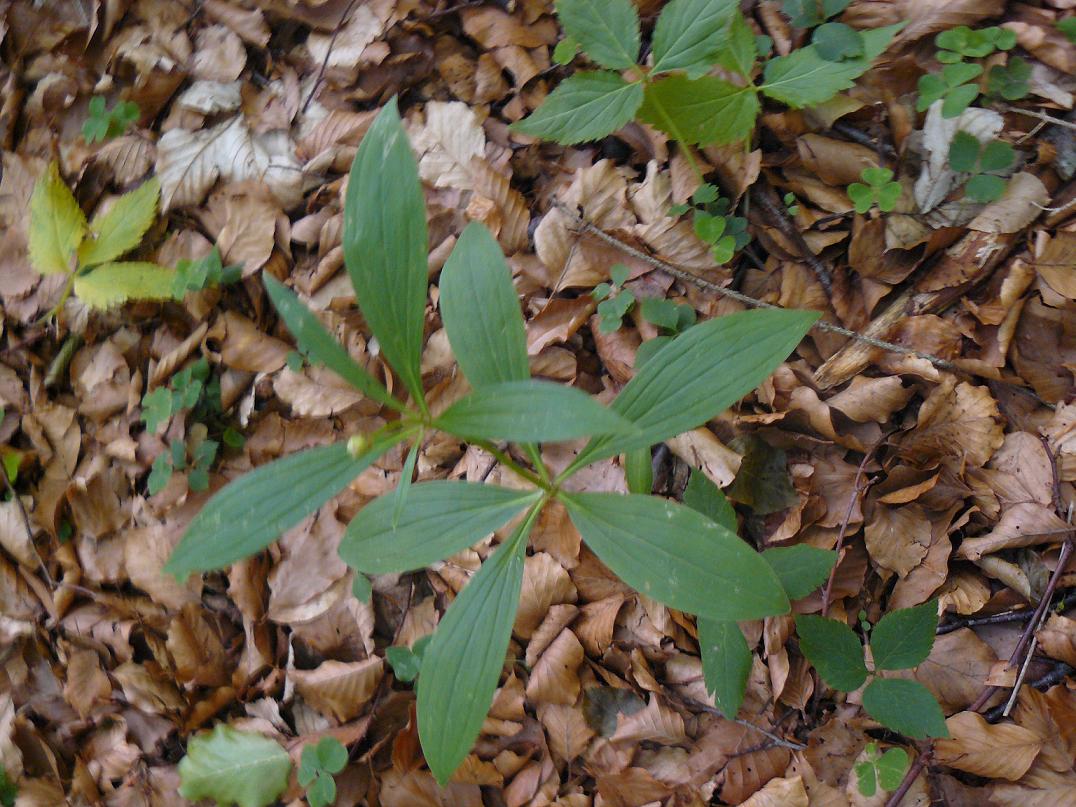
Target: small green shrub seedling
674,92
8,790
102,124
953,84
203,273
713,223
614,301
61,242
901,640
885,771
317,766
961,42
983,162
878,188
1011,80
406,661
669,551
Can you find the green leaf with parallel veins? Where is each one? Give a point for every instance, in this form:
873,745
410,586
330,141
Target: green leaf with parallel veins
607,30
804,78
690,33
726,663
251,512
441,519
57,224
480,310
115,283
834,650
676,555
704,110
801,569
704,496
586,106
121,227
639,470
462,664
712,365
234,767
385,243
530,411
314,340
906,707
903,638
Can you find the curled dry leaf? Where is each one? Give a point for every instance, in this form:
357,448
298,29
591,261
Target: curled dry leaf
1000,751
1023,524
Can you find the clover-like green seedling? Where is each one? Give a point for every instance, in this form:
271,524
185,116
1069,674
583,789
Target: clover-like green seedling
878,188
790,204
1009,81
104,124
712,223
885,771
614,301
953,85
984,162
407,661
317,766
962,42
203,273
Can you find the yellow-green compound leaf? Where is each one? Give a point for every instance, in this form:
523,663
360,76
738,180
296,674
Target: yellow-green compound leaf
530,411
385,243
57,224
122,226
726,663
834,650
234,767
906,707
441,518
480,309
677,556
462,663
607,30
586,106
115,283
704,110
312,337
252,511
903,638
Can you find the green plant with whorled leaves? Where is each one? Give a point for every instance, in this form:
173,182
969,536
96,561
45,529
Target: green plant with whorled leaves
669,551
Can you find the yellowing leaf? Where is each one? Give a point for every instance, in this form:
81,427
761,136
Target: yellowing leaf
57,224
122,226
116,283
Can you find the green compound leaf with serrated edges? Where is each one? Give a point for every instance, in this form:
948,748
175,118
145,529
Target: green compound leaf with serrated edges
120,228
690,33
726,663
606,30
834,650
903,638
906,707
234,767
705,110
57,224
586,106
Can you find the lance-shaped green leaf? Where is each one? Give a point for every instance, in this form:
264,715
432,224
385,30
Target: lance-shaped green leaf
114,283
726,663
586,106
385,243
903,638
607,30
702,110
441,519
690,33
704,496
314,340
480,310
251,512
639,470
803,78
530,411
711,366
800,568
677,556
234,767
906,707
463,661
122,226
834,650
57,224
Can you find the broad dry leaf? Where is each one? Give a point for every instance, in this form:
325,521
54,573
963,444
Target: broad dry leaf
196,649
780,793
545,583
898,538
958,421
315,392
1057,639
555,678
340,689
701,449
566,729
656,723
1000,751
956,669
87,684
1024,524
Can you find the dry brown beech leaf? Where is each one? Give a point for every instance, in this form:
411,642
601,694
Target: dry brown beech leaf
555,678
898,538
338,688
956,668
788,792
999,751
566,729
1024,524
1057,638
656,723
545,583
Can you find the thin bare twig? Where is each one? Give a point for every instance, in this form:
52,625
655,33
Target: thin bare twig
1023,615
583,225
328,53
1031,113
766,198
857,491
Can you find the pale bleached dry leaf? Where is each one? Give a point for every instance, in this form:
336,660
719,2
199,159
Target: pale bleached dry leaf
701,449
315,392
1000,751
337,688
780,793
345,49
1024,200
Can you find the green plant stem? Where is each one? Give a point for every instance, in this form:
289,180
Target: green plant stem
536,460
503,458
